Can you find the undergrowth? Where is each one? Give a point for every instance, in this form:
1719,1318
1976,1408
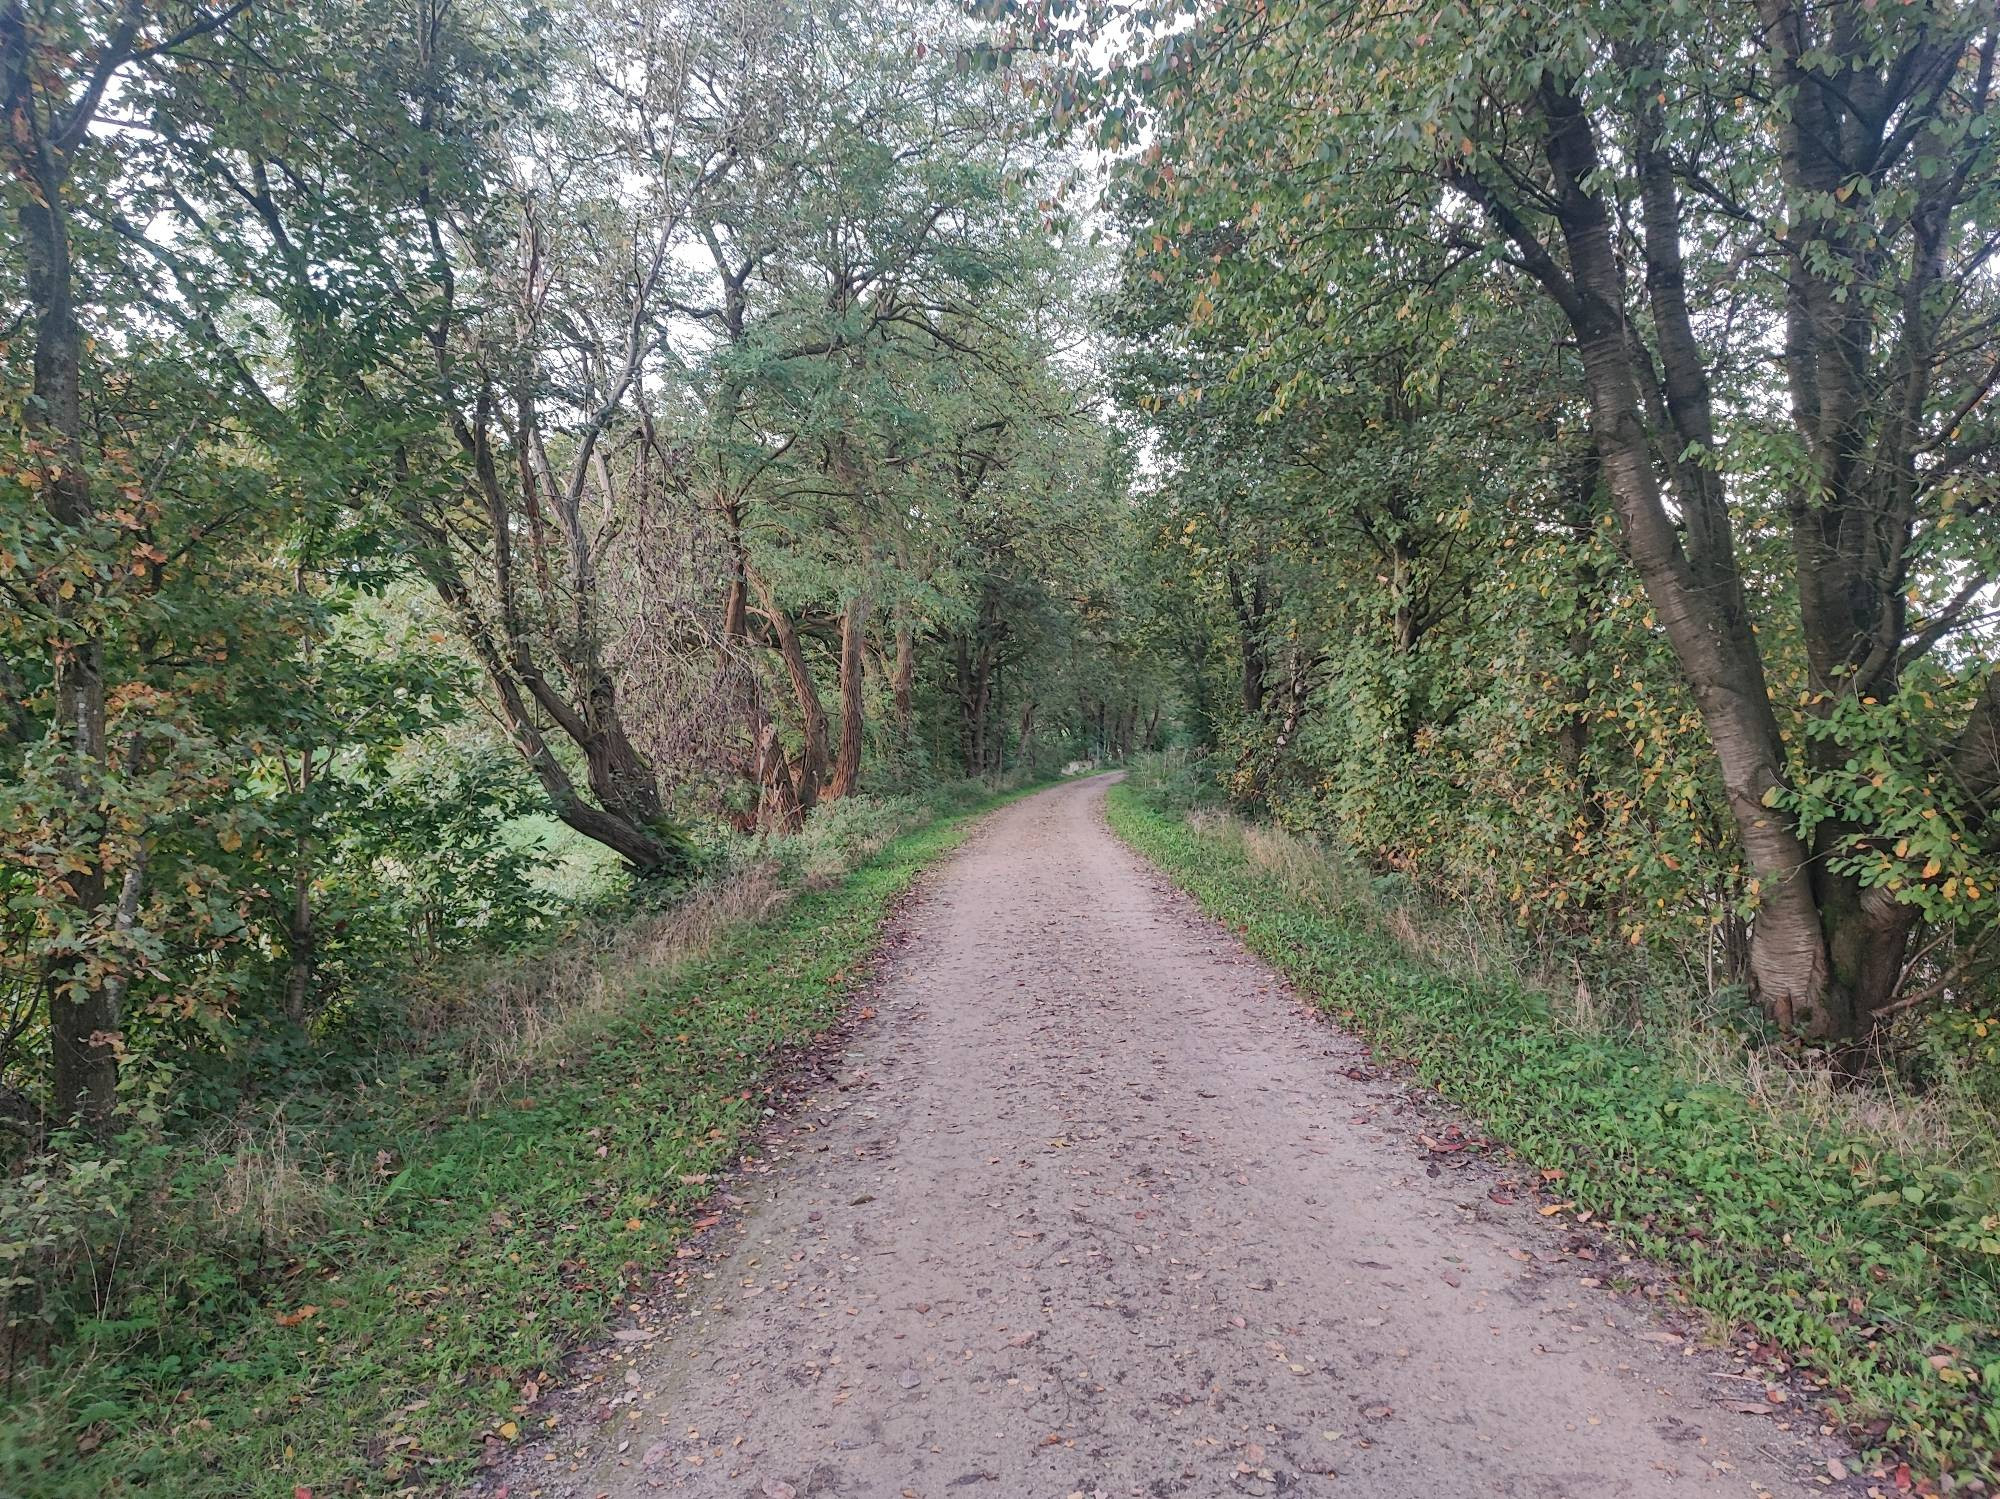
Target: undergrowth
1875,1260
357,1288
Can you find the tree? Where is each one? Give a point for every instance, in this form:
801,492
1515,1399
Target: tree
61,66
1687,185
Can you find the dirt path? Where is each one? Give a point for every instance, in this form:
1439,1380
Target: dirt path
1092,1207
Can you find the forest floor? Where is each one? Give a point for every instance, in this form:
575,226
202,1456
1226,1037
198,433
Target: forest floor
1087,1202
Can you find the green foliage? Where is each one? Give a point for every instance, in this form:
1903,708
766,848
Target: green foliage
1882,1273
1512,366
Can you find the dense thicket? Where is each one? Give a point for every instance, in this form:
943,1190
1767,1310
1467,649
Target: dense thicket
428,423
1577,455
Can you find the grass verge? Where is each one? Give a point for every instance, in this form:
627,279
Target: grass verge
1877,1272
428,1247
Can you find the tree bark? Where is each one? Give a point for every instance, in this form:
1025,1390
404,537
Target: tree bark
1695,590
300,930
82,1009
811,774
853,646
902,679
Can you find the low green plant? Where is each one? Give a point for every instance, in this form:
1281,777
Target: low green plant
1880,1270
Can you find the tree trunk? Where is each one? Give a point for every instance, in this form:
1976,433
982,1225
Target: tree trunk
902,680
1249,610
81,1001
638,844
782,807
1696,591
813,759
847,762
621,778
974,685
300,933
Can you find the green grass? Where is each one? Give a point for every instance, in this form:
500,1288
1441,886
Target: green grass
1879,1273
449,1252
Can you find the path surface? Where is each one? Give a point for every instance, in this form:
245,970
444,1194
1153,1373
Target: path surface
1092,1206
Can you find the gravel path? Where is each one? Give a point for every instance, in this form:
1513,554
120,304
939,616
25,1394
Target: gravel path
1092,1206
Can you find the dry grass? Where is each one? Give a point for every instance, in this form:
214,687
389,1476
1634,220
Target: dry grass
500,1018
503,1017
264,1190
1943,1123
